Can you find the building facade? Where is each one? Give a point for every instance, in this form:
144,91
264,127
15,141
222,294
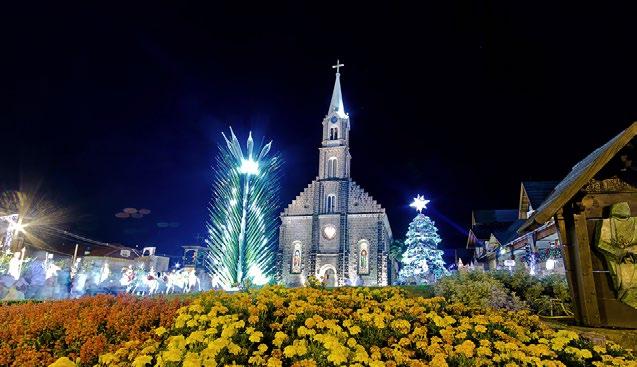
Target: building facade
334,230
494,236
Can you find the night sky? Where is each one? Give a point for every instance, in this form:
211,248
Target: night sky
109,106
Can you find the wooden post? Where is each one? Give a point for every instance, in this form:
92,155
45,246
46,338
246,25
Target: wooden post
584,272
567,253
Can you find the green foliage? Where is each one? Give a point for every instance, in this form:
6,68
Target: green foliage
314,282
548,296
477,289
425,290
396,249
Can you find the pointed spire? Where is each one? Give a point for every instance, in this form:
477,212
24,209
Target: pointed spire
337,96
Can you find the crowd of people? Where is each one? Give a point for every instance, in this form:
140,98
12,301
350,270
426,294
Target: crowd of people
43,278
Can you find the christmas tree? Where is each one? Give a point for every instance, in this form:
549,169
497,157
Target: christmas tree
422,261
243,223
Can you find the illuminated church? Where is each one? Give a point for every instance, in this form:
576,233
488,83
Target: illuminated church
334,230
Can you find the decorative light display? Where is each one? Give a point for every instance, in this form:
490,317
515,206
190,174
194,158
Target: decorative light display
550,264
243,226
419,203
422,261
14,226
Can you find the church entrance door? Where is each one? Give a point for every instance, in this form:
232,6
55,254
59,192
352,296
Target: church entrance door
327,274
330,278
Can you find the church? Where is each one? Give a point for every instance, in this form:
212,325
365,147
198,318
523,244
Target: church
334,230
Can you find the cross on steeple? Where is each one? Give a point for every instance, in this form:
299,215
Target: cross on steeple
337,66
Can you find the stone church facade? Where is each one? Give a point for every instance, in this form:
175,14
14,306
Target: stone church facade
334,230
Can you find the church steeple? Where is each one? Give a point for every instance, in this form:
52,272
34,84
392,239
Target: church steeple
337,97
335,158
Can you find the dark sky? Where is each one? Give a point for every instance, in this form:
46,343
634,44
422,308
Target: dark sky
121,105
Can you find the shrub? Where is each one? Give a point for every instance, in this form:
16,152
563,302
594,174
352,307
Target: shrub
547,296
544,296
478,289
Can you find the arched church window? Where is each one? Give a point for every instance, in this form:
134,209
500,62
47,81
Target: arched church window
363,257
332,164
333,133
330,203
297,253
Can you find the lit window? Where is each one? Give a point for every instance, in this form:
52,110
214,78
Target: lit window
330,203
331,167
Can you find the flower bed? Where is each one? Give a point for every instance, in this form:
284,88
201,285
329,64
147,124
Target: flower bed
35,334
357,327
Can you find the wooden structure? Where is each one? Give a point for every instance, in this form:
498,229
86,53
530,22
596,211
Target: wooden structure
578,203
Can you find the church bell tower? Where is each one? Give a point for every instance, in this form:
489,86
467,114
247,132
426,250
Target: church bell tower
334,162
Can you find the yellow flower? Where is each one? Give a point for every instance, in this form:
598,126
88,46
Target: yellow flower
467,347
337,357
233,348
253,319
256,337
172,355
196,337
142,361
279,338
108,358
480,329
401,326
310,323
63,362
191,360
379,321
599,349
354,329
439,361
274,362
160,331
262,348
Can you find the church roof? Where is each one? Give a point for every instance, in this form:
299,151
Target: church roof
579,176
336,105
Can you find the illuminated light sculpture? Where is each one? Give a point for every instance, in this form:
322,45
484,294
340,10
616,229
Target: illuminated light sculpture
243,223
15,265
532,264
14,226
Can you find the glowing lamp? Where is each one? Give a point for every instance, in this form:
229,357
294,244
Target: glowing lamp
550,264
249,167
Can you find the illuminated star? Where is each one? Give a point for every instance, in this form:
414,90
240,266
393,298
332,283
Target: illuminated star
419,203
